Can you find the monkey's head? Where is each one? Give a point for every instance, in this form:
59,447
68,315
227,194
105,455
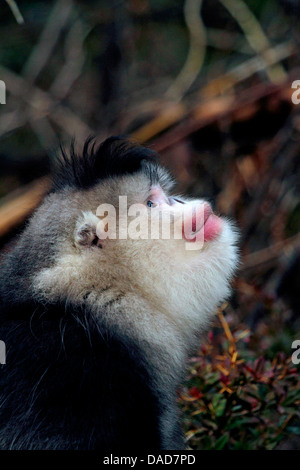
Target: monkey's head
111,231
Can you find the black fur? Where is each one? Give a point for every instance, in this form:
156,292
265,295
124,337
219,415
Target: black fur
72,383
116,156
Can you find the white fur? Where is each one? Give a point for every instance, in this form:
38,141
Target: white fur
165,294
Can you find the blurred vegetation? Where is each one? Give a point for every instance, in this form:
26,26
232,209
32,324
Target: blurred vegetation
119,58
208,84
237,399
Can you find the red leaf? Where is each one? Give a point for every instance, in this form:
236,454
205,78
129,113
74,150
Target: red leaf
195,392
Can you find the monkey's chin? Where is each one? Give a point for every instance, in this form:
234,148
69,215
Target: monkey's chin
211,229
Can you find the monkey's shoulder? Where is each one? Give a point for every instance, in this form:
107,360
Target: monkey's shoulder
77,382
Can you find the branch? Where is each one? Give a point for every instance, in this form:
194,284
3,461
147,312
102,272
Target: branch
43,104
215,87
74,61
271,252
19,204
15,11
254,35
47,40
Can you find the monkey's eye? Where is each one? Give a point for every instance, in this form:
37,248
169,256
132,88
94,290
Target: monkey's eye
151,204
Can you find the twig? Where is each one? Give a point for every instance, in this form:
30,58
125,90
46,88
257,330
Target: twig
248,68
43,105
37,60
74,61
15,11
45,134
165,119
271,252
211,110
254,35
232,342
226,326
215,87
196,54
48,38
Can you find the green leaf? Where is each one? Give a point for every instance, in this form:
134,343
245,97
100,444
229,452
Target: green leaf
219,404
221,442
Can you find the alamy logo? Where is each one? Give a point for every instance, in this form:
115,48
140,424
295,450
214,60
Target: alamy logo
137,222
296,94
2,353
2,92
296,354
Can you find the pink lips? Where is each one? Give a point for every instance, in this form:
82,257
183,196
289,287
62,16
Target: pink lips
210,228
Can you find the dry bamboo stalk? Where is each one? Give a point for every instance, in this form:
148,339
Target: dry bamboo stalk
17,206
252,260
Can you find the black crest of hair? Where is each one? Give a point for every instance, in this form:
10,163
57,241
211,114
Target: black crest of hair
116,156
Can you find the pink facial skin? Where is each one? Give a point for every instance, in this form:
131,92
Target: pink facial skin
202,223
209,225
158,196
212,228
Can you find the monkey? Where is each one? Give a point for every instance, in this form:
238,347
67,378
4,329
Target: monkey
98,329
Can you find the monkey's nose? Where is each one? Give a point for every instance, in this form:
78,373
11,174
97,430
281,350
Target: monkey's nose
194,219
212,228
207,211
200,216
202,225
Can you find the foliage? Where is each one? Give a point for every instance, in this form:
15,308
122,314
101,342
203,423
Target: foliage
238,400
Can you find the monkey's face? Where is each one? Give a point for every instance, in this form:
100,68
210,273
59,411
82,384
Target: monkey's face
136,227
129,234
139,212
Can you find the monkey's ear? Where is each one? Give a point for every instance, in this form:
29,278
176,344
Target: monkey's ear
85,232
